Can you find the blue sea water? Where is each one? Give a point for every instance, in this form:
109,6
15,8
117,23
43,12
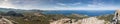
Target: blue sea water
83,12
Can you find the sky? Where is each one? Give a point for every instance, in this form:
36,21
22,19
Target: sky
61,4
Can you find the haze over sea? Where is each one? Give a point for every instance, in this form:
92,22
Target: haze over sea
82,12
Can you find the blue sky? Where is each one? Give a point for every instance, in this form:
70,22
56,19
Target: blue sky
61,4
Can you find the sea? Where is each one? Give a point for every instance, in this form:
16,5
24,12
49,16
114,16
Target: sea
82,12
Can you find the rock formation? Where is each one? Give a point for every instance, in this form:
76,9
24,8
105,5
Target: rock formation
91,20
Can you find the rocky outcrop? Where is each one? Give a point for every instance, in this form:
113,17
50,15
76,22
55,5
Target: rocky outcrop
63,21
91,20
5,21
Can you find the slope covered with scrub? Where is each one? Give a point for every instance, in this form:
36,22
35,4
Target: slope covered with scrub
36,17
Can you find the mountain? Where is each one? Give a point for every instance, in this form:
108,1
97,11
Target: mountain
64,12
82,12
18,10
58,16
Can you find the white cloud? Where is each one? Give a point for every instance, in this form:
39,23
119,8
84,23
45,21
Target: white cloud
68,5
98,6
79,8
6,4
62,4
76,3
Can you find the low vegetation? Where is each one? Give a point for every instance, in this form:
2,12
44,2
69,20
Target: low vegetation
30,18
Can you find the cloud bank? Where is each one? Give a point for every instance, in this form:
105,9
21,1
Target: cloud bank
59,4
6,4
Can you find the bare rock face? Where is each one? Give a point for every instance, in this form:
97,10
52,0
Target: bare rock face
64,21
118,11
5,21
116,18
61,21
91,20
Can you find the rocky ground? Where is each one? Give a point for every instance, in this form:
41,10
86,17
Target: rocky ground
5,21
91,20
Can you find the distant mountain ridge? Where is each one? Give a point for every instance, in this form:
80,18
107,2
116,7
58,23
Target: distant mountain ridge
64,12
83,12
18,10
